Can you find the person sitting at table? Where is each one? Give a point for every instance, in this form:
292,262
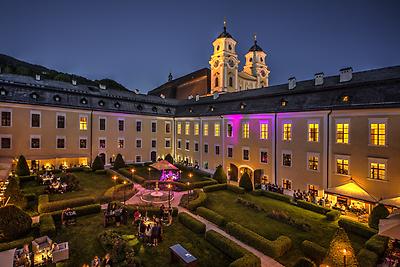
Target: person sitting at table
107,261
95,262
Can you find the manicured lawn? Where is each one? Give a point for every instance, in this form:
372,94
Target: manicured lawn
223,202
84,244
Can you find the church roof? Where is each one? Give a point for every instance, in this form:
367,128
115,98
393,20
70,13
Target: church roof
255,47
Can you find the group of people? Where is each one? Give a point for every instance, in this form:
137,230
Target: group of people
309,196
98,262
115,212
273,188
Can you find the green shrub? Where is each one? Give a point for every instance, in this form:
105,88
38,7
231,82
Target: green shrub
378,212
248,260
199,201
313,251
169,158
215,187
202,184
313,207
332,215
304,262
235,189
13,191
119,162
334,255
80,211
27,178
220,175
192,223
30,197
63,204
357,228
97,164
273,249
277,196
377,244
47,226
367,258
43,199
245,182
100,172
14,223
75,169
211,216
22,168
16,243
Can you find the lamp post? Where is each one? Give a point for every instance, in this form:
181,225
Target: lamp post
169,195
344,257
124,190
133,173
115,184
188,194
229,176
149,172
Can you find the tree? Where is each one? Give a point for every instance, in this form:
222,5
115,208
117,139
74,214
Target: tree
220,175
22,168
97,164
169,158
16,222
340,250
14,192
119,162
245,182
379,212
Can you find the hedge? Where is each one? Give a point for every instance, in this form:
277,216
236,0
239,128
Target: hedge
357,228
304,262
211,216
16,243
215,187
80,211
377,244
313,207
273,249
47,226
332,215
27,178
76,169
63,204
43,200
242,257
192,223
313,251
234,188
199,201
367,258
100,172
200,184
276,196
136,178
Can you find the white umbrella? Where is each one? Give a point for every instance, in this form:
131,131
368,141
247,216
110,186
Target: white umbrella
7,258
391,225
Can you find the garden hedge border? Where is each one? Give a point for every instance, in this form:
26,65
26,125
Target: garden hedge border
80,211
367,258
45,207
47,225
18,243
211,216
192,223
199,201
332,215
313,207
357,228
215,187
314,251
277,196
377,244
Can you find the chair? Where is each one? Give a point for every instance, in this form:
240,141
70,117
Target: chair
62,253
41,243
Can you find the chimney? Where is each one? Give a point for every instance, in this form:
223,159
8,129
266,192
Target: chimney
197,97
37,77
103,86
74,82
215,95
190,97
319,78
346,74
292,83
162,96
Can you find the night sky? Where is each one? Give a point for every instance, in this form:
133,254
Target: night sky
138,43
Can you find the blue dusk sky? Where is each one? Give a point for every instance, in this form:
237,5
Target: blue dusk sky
138,43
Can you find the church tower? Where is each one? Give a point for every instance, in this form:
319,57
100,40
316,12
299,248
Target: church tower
256,65
224,64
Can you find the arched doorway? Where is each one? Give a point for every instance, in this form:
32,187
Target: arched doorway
258,175
246,169
103,157
153,156
233,172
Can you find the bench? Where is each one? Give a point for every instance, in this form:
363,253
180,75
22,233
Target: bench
179,253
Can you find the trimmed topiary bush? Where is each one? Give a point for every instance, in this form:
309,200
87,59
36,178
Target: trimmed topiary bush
367,258
304,262
119,162
63,204
235,189
22,168
47,226
169,158
313,207
14,223
199,201
16,243
334,257
97,164
277,196
378,212
192,223
332,215
357,228
211,216
215,187
245,182
220,175
377,244
15,194
313,251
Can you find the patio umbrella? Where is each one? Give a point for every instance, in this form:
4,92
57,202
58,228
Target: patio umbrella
163,165
391,225
7,258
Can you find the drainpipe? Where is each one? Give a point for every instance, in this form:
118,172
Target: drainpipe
328,153
91,138
275,144
222,152
201,142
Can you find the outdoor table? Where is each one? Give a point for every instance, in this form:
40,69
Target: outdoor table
180,253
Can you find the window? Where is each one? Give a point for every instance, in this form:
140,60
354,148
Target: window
313,132
287,184
179,128
217,129
205,129
264,131
229,130
187,145
245,130
6,118
60,121
83,143
246,154
263,156
342,166
138,143
167,143
377,169
216,82
138,126
35,120
216,149
287,159
167,127
60,142
287,131
153,143
187,128
102,124
5,142
121,125
83,120
196,147
230,81
35,142
313,162
230,152
153,126
313,189
121,142
138,158
102,143
378,134
206,148
196,128
179,144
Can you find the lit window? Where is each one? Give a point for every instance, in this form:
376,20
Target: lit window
246,154
287,131
196,128
187,128
121,143
342,133
342,166
263,157
378,134
83,123
205,129
313,162
229,130
313,132
377,171
287,184
179,128
245,130
217,128
264,131
287,159
313,189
